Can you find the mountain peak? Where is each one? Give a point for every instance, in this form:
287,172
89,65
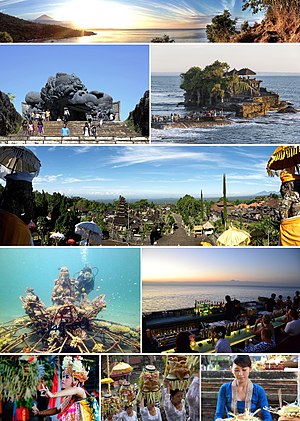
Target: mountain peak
43,17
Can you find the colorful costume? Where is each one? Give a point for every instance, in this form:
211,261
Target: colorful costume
227,401
83,410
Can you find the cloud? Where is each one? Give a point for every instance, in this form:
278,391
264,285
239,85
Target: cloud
136,155
82,149
48,179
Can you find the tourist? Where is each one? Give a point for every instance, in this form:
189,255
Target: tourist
75,403
183,342
94,130
65,131
271,303
229,309
47,115
266,344
128,415
149,412
16,210
288,303
292,327
241,394
89,118
174,403
279,303
222,345
296,300
24,127
30,128
66,115
40,127
265,322
86,129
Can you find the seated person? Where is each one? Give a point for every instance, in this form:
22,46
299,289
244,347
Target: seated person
222,345
265,323
241,394
266,345
292,327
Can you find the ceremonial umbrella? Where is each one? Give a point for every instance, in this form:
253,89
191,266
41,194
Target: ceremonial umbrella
107,380
57,236
234,237
19,159
90,231
120,369
283,157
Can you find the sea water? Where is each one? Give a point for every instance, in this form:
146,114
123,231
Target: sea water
139,36
275,127
169,296
118,277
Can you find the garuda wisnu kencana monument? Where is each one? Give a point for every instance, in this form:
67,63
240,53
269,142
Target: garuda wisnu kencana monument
67,90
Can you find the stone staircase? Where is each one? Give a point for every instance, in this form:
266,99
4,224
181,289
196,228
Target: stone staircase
109,132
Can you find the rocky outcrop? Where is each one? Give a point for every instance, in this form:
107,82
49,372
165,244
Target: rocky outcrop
139,117
288,109
282,26
10,119
251,109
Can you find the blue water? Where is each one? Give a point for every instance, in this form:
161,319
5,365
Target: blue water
118,278
139,35
273,128
168,296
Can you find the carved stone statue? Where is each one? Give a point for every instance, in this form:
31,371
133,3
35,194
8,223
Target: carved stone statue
67,90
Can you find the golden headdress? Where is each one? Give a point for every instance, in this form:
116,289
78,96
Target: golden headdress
74,367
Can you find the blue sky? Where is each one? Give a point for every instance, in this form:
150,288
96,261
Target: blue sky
279,266
101,172
121,71
127,13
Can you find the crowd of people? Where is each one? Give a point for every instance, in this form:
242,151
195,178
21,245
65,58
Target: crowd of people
266,337
33,123
193,116
153,399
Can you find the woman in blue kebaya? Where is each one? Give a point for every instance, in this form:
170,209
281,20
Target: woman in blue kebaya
241,395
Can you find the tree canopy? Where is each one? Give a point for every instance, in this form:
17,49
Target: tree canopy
222,27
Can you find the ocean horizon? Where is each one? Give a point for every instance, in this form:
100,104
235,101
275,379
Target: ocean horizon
138,36
167,97
161,296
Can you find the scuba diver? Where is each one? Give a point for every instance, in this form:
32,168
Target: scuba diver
85,281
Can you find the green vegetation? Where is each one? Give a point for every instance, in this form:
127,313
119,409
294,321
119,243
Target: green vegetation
281,23
222,28
5,37
271,6
210,85
164,39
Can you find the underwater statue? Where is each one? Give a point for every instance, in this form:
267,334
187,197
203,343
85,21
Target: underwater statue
64,289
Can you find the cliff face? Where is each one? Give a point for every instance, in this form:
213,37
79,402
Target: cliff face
139,117
10,119
282,26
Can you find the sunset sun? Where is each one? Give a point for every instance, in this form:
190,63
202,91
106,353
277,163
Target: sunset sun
98,14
